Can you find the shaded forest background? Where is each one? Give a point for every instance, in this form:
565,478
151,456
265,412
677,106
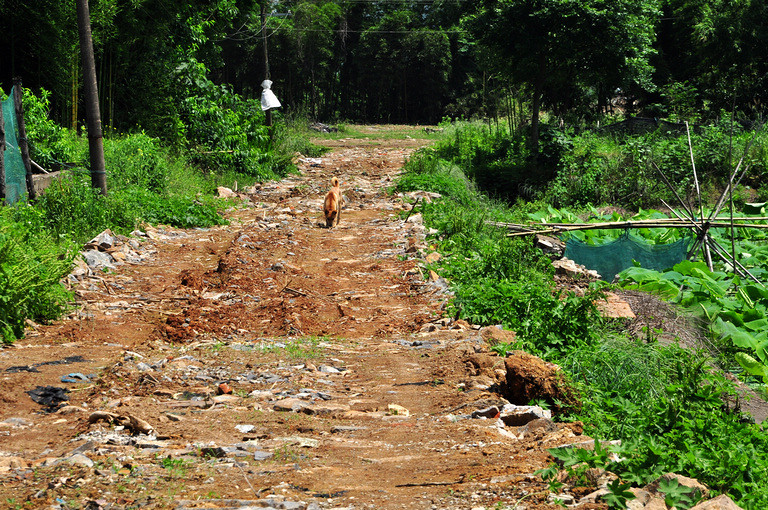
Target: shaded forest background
396,61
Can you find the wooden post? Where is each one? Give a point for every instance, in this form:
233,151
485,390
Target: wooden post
23,145
2,155
268,113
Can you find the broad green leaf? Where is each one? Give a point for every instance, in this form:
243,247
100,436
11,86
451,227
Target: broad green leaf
685,267
760,325
739,337
751,365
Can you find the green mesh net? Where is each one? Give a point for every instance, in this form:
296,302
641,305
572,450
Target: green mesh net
611,258
15,173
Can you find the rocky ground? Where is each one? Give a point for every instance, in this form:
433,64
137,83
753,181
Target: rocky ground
275,363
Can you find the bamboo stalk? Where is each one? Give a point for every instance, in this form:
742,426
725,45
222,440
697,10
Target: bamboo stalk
736,263
2,156
623,225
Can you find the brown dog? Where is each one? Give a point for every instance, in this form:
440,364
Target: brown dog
332,204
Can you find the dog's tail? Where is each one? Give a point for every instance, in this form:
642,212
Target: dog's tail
334,182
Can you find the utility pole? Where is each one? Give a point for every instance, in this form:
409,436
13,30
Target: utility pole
92,112
266,53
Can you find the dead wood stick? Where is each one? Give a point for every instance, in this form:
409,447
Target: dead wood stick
412,208
294,291
146,300
430,484
38,167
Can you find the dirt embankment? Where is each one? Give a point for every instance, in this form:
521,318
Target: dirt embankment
271,363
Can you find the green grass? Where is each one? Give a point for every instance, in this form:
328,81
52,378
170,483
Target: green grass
298,348
664,402
379,132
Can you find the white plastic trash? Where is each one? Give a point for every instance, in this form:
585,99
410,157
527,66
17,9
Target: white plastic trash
268,98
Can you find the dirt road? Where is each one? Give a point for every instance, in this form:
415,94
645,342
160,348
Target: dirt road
269,363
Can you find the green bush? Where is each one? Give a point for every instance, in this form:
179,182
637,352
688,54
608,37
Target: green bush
50,145
498,164
427,172
223,130
136,160
666,407
71,209
175,210
31,265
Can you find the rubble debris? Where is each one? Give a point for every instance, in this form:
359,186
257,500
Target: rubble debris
52,397
131,423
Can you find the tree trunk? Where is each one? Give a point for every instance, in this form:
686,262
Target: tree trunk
23,144
92,113
538,90
2,156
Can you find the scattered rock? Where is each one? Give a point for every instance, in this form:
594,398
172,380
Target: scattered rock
290,405
98,259
573,270
550,245
71,410
79,459
9,463
104,241
530,378
538,426
225,192
497,335
722,502
516,416
397,410
488,412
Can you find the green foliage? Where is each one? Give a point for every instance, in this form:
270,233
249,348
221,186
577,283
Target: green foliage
427,172
497,163
226,130
583,458
71,209
618,494
50,145
676,495
31,265
177,468
663,402
174,210
736,311
136,160
620,169
666,407
495,279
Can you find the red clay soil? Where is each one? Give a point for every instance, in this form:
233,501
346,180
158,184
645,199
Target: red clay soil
333,393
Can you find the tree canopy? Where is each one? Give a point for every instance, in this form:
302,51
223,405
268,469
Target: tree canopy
396,60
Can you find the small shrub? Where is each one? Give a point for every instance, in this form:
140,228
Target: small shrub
136,160
31,266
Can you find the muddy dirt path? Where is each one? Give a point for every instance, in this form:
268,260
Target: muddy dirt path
269,363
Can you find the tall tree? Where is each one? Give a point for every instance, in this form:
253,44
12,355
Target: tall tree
717,47
559,48
95,141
